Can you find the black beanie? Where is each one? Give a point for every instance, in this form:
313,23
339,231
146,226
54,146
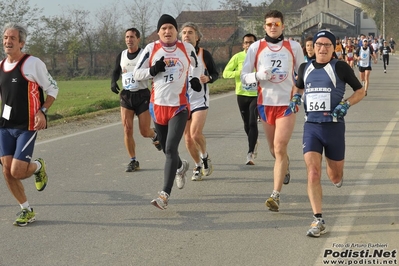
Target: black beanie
165,18
327,34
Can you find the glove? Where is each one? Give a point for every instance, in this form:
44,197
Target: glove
159,66
264,74
341,110
295,101
115,88
195,84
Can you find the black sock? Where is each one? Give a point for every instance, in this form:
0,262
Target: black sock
318,215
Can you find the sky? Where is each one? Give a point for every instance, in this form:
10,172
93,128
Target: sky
55,7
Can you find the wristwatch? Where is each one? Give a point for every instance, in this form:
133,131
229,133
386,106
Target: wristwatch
44,110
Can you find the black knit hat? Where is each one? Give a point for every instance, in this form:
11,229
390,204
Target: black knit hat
327,34
165,18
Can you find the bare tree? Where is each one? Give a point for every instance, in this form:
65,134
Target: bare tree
109,36
81,40
177,7
48,39
140,13
202,5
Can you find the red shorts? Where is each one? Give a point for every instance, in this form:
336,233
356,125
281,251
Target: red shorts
162,114
269,114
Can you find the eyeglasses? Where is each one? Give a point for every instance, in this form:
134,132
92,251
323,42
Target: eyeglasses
250,42
276,24
320,44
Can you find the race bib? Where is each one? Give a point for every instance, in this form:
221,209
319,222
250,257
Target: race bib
128,81
249,87
279,63
170,74
318,102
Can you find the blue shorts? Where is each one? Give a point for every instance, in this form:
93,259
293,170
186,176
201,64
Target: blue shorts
327,136
17,143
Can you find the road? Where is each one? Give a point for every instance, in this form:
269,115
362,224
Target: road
93,213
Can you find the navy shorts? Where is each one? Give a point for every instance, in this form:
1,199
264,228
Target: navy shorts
327,136
137,101
17,143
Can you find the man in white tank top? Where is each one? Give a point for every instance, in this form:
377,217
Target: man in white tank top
134,97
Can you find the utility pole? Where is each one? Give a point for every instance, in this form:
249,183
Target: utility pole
383,19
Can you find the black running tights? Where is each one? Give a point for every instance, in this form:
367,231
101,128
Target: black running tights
170,137
249,114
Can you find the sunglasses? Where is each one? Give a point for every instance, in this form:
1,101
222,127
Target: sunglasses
276,24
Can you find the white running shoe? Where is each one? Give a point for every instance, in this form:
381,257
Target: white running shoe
181,174
317,228
197,174
207,168
250,159
162,201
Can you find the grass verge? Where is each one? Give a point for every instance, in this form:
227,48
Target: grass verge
83,99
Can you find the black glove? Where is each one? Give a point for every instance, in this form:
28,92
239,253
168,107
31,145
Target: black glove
195,84
115,88
159,66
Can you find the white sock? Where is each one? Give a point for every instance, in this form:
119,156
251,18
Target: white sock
275,194
25,205
39,165
204,156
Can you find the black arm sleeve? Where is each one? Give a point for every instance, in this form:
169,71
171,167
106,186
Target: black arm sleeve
300,84
117,70
210,66
346,73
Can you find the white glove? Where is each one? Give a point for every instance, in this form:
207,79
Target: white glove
264,74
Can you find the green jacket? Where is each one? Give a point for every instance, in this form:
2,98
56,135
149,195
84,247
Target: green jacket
233,70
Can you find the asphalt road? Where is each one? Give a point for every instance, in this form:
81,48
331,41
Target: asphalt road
93,213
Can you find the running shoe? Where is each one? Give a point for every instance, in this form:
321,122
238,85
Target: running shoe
41,177
181,174
288,174
273,203
156,142
339,184
197,174
250,159
208,167
317,228
133,166
25,216
162,201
